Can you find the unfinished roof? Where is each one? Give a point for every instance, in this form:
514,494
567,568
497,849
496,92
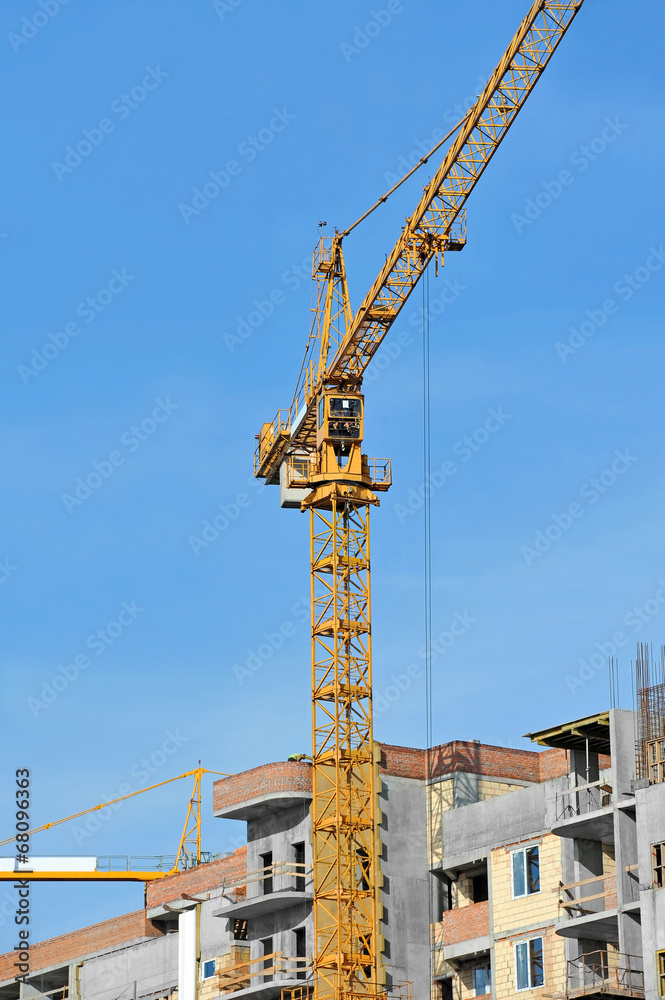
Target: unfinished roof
574,735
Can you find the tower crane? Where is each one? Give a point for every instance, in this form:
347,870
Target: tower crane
25,865
316,446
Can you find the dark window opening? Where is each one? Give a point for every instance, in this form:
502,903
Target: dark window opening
266,865
479,888
299,859
240,930
301,951
266,951
446,989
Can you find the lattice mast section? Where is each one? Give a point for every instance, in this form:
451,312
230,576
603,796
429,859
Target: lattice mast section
343,813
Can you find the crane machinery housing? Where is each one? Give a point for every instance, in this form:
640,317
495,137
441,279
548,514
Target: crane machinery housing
316,446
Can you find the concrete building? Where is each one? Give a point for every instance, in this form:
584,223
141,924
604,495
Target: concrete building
503,871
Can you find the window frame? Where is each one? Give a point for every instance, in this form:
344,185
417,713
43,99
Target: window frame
528,943
660,972
658,870
487,970
523,851
208,961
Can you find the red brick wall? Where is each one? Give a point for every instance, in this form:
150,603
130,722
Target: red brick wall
282,777
403,762
67,947
466,923
197,880
472,758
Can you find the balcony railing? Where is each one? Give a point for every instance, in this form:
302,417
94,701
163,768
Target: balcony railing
583,799
265,968
590,895
603,972
284,875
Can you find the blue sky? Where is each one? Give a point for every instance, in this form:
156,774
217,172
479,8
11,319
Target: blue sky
123,362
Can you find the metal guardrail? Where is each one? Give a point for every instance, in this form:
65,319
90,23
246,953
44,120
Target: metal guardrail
602,972
149,863
583,799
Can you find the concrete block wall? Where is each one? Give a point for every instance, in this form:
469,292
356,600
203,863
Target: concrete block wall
554,963
538,908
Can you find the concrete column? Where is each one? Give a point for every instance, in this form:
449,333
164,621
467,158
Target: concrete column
187,954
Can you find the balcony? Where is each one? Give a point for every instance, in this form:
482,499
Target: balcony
263,790
464,932
585,811
588,908
266,890
607,974
263,978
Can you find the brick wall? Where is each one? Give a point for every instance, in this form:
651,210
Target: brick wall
404,762
466,923
201,879
68,947
474,758
284,776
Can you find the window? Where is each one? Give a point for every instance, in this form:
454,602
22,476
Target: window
266,865
658,865
445,989
529,964
300,936
482,980
299,870
660,960
208,969
266,950
526,872
479,888
344,407
239,930
656,761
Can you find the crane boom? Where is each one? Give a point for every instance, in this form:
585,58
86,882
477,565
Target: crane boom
430,230
436,225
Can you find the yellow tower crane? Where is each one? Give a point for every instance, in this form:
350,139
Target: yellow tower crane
26,866
316,445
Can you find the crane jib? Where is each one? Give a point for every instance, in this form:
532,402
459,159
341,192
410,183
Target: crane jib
429,232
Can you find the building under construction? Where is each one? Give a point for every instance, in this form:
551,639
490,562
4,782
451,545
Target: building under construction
504,871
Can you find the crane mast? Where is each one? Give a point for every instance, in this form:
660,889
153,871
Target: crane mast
316,445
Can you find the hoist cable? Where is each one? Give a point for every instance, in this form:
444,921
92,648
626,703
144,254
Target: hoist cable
419,164
427,574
